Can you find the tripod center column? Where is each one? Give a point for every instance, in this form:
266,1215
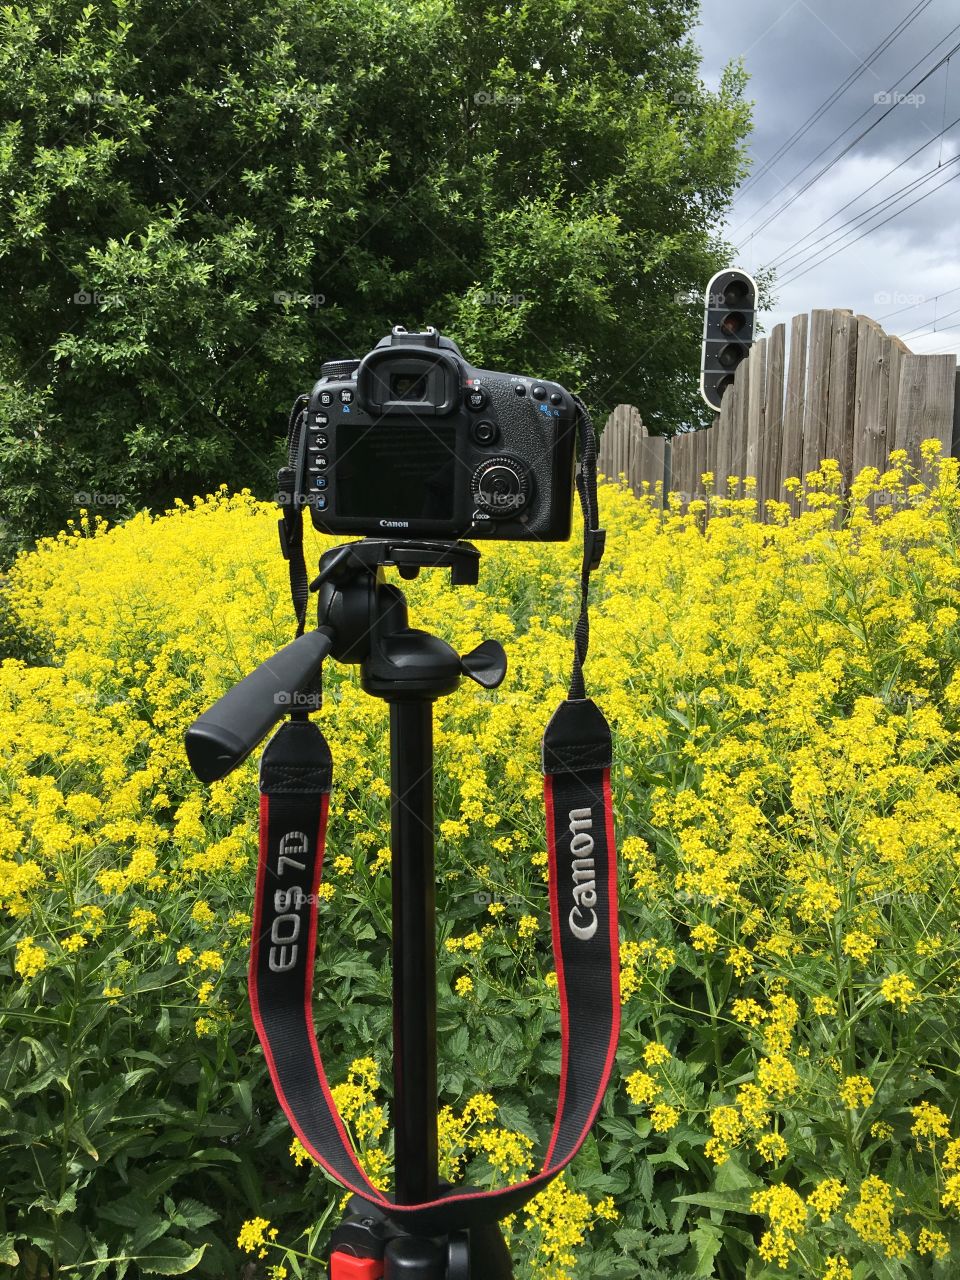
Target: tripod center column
414,950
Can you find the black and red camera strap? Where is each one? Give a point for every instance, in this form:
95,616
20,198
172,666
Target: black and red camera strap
296,775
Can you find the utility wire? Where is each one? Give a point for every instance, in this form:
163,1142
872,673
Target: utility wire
786,255
868,231
913,305
898,98
837,93
865,215
923,329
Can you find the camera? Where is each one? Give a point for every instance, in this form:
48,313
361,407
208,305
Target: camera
412,438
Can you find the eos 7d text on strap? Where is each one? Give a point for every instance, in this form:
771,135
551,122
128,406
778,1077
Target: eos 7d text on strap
491,455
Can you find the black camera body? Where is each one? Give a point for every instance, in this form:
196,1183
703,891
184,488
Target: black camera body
413,440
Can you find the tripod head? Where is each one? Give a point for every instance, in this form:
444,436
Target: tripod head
361,618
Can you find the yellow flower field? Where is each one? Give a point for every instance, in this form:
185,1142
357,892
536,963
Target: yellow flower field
785,700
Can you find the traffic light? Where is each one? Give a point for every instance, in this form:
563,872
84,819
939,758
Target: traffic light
728,326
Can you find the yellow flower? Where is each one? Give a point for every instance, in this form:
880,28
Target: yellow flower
872,1218
826,1196
202,914
859,945
253,1234
838,1268
655,1055
30,959
141,920
704,938
933,1242
463,985
664,1117
773,1146
641,1088
856,1091
212,960
900,991
787,1215
929,1122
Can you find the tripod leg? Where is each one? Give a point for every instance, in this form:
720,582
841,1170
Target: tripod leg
489,1255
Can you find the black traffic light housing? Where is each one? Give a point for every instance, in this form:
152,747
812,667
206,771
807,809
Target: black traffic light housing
728,326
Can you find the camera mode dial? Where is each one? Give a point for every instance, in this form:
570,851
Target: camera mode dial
338,369
501,487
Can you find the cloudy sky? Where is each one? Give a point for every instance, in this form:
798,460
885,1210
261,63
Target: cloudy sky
857,64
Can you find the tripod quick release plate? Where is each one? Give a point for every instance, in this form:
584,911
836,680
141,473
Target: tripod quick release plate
462,558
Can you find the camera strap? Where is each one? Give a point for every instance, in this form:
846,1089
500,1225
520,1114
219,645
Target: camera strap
296,776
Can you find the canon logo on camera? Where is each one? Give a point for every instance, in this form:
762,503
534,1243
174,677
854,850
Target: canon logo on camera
394,524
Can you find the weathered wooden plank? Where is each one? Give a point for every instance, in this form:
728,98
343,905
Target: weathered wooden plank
756,423
896,351
724,429
871,397
791,446
699,465
653,449
925,402
818,390
841,396
731,443
768,482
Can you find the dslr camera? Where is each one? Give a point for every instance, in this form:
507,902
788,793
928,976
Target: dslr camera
413,440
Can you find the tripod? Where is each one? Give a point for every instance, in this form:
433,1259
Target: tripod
363,619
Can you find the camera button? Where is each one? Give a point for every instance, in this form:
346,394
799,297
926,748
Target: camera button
321,419
484,432
320,502
476,398
346,396
320,441
539,393
556,397
319,482
326,397
319,463
520,389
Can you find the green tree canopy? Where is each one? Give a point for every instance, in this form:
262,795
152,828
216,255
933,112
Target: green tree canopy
202,199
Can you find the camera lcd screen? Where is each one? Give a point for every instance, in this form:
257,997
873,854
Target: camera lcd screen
396,472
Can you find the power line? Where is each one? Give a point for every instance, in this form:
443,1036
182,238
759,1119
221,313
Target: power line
881,206
913,305
865,215
868,231
898,98
837,93
923,329
786,255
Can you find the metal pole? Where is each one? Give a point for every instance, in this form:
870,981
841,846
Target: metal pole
414,951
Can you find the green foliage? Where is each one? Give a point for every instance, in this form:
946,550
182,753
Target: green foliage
200,204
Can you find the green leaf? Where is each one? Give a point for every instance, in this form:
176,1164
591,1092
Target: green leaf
713,1200
8,1254
706,1241
176,1260
193,1214
732,1175
127,1212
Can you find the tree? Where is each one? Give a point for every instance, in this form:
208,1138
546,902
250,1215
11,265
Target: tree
200,202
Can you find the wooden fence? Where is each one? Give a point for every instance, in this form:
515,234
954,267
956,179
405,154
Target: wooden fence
844,390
